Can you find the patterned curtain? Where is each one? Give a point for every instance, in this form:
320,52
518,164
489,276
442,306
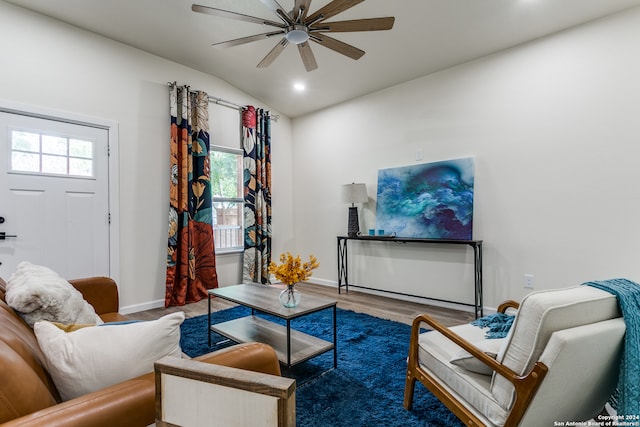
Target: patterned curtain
256,141
191,262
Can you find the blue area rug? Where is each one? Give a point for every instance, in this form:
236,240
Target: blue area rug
367,387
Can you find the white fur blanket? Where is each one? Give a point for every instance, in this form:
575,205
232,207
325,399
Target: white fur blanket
39,293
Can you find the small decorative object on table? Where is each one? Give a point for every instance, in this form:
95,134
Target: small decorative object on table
291,271
290,296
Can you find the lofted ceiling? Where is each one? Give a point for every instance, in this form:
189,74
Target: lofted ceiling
428,36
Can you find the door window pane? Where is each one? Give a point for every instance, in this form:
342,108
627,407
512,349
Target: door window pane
33,152
81,167
25,162
54,145
54,164
25,141
79,148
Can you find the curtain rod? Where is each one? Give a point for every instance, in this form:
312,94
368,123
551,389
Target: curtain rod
225,103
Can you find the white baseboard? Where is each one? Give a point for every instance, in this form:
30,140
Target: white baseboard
130,309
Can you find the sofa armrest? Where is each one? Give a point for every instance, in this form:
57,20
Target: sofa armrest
127,404
100,292
3,288
132,403
252,356
221,393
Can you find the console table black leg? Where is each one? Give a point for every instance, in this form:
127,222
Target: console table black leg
339,253
479,309
343,274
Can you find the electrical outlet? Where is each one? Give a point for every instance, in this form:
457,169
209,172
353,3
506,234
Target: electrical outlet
528,281
419,155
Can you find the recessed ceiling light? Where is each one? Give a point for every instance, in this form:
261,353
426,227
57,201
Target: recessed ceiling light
299,87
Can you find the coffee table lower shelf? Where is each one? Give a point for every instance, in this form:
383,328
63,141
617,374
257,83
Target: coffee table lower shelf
301,346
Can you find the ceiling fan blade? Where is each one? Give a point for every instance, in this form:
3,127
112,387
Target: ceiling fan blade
272,4
301,5
274,53
332,9
233,15
278,10
249,39
307,56
338,46
371,24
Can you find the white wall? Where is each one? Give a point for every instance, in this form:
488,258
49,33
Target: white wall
554,126
47,64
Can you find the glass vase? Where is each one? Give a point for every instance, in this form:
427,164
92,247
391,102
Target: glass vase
290,296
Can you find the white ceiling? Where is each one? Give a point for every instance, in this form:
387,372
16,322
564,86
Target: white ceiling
428,36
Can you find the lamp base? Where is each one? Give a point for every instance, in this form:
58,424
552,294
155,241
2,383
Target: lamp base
354,226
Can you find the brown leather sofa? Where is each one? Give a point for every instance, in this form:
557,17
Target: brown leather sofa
28,396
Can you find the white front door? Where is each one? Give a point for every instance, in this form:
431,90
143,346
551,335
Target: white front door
54,196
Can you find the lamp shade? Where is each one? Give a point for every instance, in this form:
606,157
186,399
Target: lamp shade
354,193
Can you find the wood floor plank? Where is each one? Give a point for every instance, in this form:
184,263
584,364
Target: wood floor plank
361,302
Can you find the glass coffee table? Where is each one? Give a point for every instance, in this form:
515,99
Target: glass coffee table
291,346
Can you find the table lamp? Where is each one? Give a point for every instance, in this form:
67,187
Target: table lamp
354,193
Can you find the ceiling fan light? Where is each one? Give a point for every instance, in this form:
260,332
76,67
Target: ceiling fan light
299,34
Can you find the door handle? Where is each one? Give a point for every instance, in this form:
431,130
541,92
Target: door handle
4,235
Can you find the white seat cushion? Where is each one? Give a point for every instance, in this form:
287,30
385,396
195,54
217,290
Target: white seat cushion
540,314
435,354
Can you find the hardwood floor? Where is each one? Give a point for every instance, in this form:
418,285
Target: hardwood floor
374,305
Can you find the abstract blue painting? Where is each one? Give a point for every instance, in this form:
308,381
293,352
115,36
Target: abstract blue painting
429,200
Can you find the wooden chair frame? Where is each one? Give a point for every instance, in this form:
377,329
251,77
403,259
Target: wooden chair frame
525,386
281,388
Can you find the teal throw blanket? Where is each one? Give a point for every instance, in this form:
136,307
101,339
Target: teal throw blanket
498,325
628,294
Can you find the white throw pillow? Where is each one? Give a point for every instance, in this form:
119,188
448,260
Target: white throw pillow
39,293
465,360
90,359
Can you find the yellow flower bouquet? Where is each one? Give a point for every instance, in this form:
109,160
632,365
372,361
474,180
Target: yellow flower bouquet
291,271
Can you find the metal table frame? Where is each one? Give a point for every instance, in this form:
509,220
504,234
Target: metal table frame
264,298
343,262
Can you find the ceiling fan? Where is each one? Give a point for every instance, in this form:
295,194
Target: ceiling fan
298,27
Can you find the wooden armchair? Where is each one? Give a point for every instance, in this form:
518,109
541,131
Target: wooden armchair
541,372
192,393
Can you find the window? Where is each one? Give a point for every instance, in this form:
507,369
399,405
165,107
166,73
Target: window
38,153
228,199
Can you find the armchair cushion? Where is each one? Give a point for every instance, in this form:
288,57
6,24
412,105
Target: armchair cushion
540,314
584,362
435,353
92,358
